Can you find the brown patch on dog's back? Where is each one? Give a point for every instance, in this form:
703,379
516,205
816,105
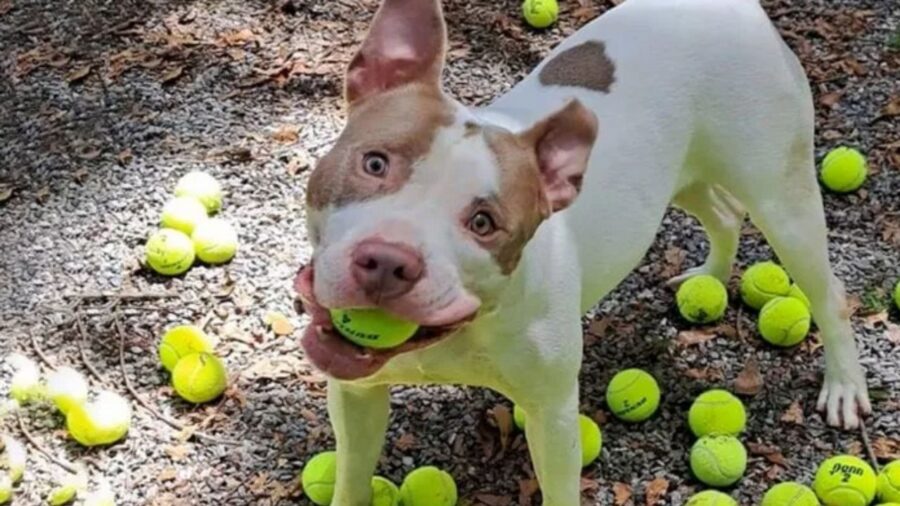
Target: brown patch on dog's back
585,66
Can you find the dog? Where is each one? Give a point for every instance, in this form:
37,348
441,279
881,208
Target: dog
495,229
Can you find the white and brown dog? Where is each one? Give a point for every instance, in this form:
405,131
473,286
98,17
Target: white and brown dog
496,229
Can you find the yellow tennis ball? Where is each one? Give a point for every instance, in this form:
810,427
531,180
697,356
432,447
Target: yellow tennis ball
199,377
718,461
67,388
897,295
519,417
591,440
181,341
183,214
15,457
428,486
702,299
796,293
169,252
784,321
763,282
318,478
6,489
540,13
845,480
711,498
215,241
717,412
790,494
633,395
372,328
384,492
202,187
844,170
102,421
889,482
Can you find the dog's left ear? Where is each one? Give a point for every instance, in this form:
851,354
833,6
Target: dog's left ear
562,144
405,44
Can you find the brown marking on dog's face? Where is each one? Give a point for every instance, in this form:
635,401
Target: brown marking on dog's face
471,128
400,125
585,66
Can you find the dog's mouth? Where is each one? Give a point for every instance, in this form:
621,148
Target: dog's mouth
341,359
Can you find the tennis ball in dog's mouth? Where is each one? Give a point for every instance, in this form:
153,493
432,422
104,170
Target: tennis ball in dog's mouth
372,327
889,482
384,492
702,299
67,388
540,13
183,213
318,478
784,321
169,252
181,341
790,494
711,498
763,282
845,480
102,421
202,187
718,461
215,241
199,377
844,170
633,395
428,486
717,412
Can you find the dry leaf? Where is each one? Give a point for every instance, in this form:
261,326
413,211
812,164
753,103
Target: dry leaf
691,337
886,448
749,381
892,108
656,491
287,134
6,191
405,442
794,414
707,373
674,261
830,99
5,6
177,452
125,156
42,194
237,38
771,453
527,489
171,75
622,493
78,74
503,418
892,332
282,327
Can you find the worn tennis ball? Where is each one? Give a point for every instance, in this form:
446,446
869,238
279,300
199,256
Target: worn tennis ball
519,417
199,377
102,421
897,295
540,13
215,241
718,461
202,187
372,327
717,412
591,440
844,170
183,214
845,480
384,492
6,489
67,388
796,293
790,494
763,282
15,457
633,395
25,385
169,252
889,482
702,299
318,478
711,498
181,341
428,486
784,321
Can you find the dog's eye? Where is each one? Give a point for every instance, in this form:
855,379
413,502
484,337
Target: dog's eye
375,164
482,224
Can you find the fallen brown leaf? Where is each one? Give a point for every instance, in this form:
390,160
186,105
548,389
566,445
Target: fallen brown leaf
78,74
886,448
656,491
691,337
172,75
527,489
794,414
892,108
503,418
177,453
674,262
405,442
622,493
287,134
706,374
237,37
125,157
771,453
6,191
830,99
892,333
749,381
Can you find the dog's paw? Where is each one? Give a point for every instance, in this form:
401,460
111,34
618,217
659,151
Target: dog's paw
676,281
844,399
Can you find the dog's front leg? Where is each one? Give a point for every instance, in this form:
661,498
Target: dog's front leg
359,416
555,445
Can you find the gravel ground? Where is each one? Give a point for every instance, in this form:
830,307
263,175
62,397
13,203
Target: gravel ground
105,104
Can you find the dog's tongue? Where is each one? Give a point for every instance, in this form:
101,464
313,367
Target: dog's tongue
337,357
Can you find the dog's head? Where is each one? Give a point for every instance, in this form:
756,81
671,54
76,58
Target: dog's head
419,208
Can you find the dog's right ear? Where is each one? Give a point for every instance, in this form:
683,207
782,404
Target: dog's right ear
405,44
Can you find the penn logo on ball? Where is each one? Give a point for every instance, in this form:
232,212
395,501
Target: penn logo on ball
633,395
372,327
845,480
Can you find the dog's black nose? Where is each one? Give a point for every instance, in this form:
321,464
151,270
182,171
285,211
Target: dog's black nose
386,270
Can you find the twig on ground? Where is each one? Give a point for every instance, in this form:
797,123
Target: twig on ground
120,295
868,446
40,353
37,446
84,358
738,328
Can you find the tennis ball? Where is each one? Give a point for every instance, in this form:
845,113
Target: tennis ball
181,341
519,417
199,377
702,299
428,486
183,214
763,282
718,461
711,498
202,187
633,395
845,480
169,252
784,321
215,241
25,385
591,440
318,478
540,13
798,294
66,387
897,295
717,412
15,457
844,170
384,492
889,482
372,328
790,494
102,421
6,489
